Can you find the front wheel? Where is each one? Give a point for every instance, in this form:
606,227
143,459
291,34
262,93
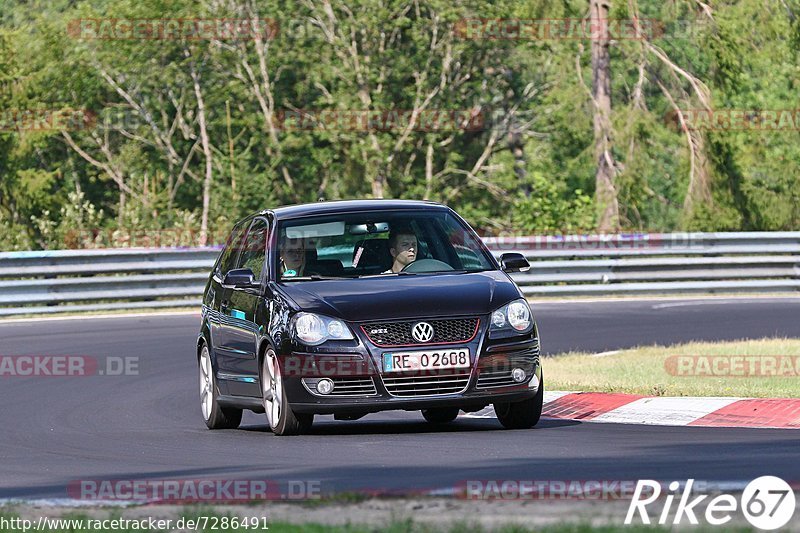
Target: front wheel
521,415
215,416
282,420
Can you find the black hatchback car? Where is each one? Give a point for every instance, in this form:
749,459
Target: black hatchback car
353,307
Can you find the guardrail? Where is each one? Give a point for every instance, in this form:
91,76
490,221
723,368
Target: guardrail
109,279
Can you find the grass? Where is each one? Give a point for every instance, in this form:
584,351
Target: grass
654,370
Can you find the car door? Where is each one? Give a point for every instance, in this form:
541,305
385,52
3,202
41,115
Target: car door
219,293
240,330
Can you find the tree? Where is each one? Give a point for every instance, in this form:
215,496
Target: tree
605,190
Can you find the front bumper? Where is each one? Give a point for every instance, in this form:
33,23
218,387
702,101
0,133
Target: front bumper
470,400
361,386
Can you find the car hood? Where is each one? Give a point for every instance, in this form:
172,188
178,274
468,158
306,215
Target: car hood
399,297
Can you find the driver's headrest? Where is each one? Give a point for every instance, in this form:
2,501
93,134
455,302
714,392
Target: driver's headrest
372,254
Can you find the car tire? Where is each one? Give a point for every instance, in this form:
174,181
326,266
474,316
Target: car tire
215,416
282,420
440,415
521,415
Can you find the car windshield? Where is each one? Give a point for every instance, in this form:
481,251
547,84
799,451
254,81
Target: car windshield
377,243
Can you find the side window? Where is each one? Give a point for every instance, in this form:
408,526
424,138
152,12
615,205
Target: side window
255,247
231,251
464,245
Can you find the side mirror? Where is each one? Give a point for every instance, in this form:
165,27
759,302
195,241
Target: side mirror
240,278
514,262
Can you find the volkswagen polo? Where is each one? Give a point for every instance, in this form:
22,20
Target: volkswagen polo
354,307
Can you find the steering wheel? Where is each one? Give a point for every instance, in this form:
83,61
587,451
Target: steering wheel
427,265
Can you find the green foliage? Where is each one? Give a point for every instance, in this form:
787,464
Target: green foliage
13,236
547,211
139,164
78,218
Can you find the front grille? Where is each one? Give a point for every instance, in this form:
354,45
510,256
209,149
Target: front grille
495,370
426,385
343,386
447,331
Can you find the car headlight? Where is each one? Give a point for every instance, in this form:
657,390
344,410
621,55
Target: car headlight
519,315
313,329
516,314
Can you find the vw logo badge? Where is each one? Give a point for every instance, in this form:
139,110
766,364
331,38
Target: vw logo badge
422,332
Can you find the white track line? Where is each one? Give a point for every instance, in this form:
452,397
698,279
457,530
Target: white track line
664,411
606,354
551,396
89,316
683,298
721,301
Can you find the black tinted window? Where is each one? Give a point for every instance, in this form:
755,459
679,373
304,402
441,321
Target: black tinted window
231,251
255,247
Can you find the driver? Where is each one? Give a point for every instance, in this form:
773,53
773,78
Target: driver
403,247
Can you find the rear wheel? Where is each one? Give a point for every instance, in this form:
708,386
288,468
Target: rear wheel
521,415
440,415
282,420
215,416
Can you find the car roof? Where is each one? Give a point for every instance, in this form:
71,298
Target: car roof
345,206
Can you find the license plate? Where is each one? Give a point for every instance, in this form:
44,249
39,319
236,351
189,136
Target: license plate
426,360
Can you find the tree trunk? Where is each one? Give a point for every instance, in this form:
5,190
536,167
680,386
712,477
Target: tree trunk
428,172
699,190
201,119
121,213
516,144
378,180
605,191
230,150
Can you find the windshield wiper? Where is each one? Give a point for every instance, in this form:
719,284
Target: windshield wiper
384,274
312,277
405,273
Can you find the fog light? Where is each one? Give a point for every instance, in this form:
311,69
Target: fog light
325,386
518,375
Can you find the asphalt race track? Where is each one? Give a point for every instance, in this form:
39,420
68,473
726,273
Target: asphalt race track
55,430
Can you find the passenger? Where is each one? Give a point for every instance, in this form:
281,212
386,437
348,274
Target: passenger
293,257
